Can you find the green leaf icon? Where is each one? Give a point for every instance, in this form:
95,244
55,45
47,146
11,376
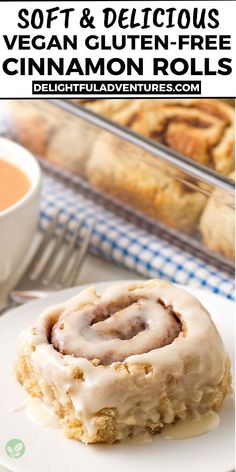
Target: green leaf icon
15,448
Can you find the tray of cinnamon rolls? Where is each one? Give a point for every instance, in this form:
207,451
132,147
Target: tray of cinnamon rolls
168,161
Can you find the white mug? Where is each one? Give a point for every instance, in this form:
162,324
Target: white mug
18,222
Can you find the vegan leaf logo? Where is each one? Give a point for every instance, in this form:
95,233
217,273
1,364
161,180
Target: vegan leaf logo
15,448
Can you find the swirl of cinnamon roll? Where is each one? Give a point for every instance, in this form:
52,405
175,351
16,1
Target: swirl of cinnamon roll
115,330
202,129
131,359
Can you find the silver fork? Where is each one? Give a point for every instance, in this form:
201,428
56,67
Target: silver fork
47,272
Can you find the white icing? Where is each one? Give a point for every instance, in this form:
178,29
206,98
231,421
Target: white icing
140,439
133,396
190,428
38,414
187,429
73,333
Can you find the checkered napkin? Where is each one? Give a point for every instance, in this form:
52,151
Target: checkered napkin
124,243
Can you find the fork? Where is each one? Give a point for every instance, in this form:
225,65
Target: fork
47,272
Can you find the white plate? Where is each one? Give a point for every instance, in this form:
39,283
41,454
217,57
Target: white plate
47,450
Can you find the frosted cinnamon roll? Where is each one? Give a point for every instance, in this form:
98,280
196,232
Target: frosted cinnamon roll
132,359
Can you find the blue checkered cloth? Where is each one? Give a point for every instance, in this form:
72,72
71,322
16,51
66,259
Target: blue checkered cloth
124,243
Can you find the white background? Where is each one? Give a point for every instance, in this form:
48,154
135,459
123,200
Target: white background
20,86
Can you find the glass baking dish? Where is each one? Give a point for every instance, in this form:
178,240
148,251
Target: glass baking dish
172,196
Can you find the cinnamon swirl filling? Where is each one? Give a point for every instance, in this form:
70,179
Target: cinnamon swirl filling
199,129
113,332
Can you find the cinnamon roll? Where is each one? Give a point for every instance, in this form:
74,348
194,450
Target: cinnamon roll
134,358
73,139
217,224
137,179
55,135
51,133
200,129
32,125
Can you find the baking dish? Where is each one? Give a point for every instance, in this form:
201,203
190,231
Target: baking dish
174,197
